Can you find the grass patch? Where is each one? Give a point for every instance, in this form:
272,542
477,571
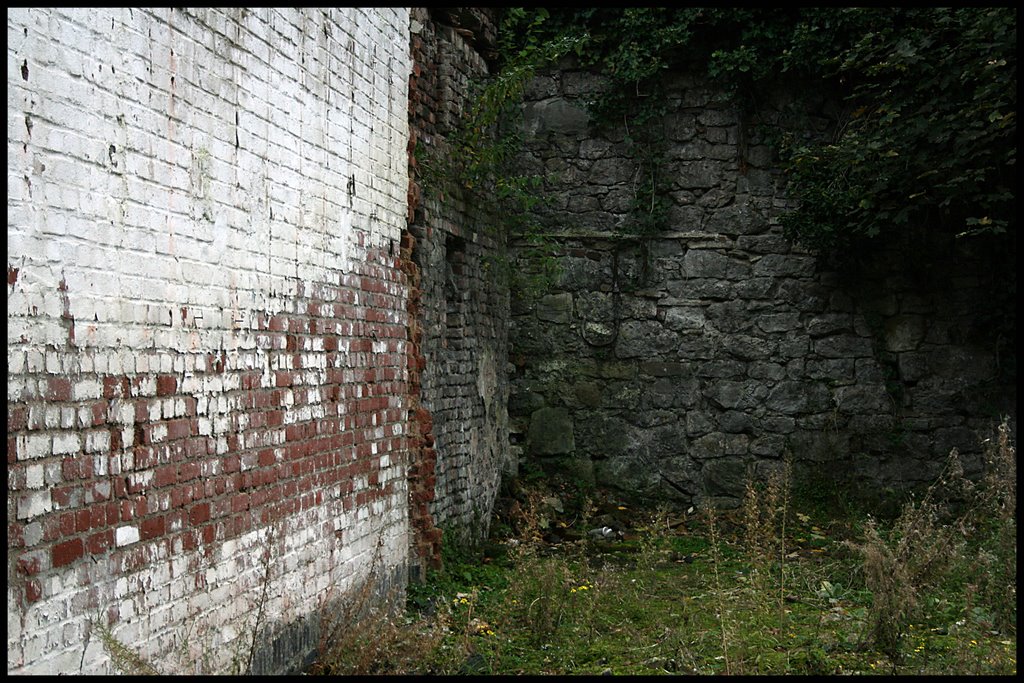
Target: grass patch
771,588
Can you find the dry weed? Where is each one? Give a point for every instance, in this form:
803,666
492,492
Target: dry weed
366,633
958,529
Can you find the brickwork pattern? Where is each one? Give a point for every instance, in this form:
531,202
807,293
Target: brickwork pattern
207,326
462,305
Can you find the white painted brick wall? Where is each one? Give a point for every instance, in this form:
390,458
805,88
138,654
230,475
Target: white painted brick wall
176,177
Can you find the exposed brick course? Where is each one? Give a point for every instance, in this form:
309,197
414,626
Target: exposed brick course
207,321
458,310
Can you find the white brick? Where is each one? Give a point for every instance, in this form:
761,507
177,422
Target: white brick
53,365
33,446
141,479
34,504
114,365
34,476
52,419
35,360
67,417
159,433
15,361
33,533
101,363
97,441
86,389
17,389
35,648
126,535
128,437
137,235
121,412
166,408
66,444
52,473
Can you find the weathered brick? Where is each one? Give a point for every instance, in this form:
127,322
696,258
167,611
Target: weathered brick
67,552
148,296
32,563
34,504
188,471
68,527
100,542
65,443
98,517
33,590
198,514
82,520
152,527
166,385
32,446
58,389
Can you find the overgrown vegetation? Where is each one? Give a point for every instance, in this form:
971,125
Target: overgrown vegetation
368,633
767,589
960,537
925,137
920,135
124,659
477,159
900,130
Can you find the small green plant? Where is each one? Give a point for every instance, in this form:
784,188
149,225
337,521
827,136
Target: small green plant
194,650
477,161
266,565
765,507
990,520
538,596
655,540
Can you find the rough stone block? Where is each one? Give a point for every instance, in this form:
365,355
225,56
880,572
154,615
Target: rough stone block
551,432
554,115
904,332
555,308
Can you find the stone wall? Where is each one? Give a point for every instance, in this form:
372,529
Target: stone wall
207,329
675,365
462,306
255,359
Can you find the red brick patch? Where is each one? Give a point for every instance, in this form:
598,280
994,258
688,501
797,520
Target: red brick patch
67,552
100,542
166,385
59,389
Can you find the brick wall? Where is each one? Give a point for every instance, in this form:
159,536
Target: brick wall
207,328
460,301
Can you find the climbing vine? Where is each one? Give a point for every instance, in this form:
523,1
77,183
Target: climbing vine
927,130
479,159
919,140
923,138
927,137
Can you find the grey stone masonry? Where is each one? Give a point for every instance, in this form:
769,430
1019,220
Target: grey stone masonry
715,347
